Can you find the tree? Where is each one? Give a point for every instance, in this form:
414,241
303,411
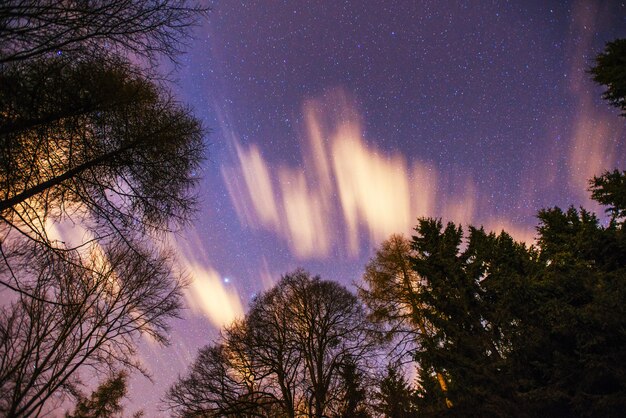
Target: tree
391,292
353,402
105,401
101,306
88,140
610,71
578,328
395,397
469,296
97,136
299,351
93,144
609,189
96,145
518,331
39,28
219,384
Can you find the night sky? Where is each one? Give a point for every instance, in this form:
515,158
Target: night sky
334,124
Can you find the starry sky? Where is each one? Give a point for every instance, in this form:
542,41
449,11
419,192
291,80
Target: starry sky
336,123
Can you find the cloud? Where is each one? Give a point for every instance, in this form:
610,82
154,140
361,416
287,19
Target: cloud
595,129
423,183
207,293
347,193
304,214
373,189
459,204
262,210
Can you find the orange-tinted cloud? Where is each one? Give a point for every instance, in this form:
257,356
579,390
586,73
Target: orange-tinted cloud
260,208
595,130
423,183
347,194
304,214
373,189
207,293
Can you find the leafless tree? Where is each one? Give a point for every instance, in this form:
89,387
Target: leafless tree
288,356
147,28
100,312
221,383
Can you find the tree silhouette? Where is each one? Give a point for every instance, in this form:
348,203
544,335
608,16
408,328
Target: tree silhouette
517,331
610,71
96,144
300,351
395,396
103,305
150,29
104,401
87,141
391,292
471,297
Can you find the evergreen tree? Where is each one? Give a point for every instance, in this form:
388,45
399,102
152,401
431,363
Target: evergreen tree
395,396
466,297
610,71
105,401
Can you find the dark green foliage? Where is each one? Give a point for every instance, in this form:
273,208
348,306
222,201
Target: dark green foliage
525,331
429,398
353,391
104,401
581,321
395,396
610,190
610,71
468,298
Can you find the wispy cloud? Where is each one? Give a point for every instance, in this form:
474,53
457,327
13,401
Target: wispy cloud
207,294
595,131
347,193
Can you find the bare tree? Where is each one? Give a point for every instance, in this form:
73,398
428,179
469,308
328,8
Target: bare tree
330,330
289,357
147,28
221,383
100,311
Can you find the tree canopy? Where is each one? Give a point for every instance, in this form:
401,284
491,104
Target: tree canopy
514,330
148,28
301,350
89,142
610,71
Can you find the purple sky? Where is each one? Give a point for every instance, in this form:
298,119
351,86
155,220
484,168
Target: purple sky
335,124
